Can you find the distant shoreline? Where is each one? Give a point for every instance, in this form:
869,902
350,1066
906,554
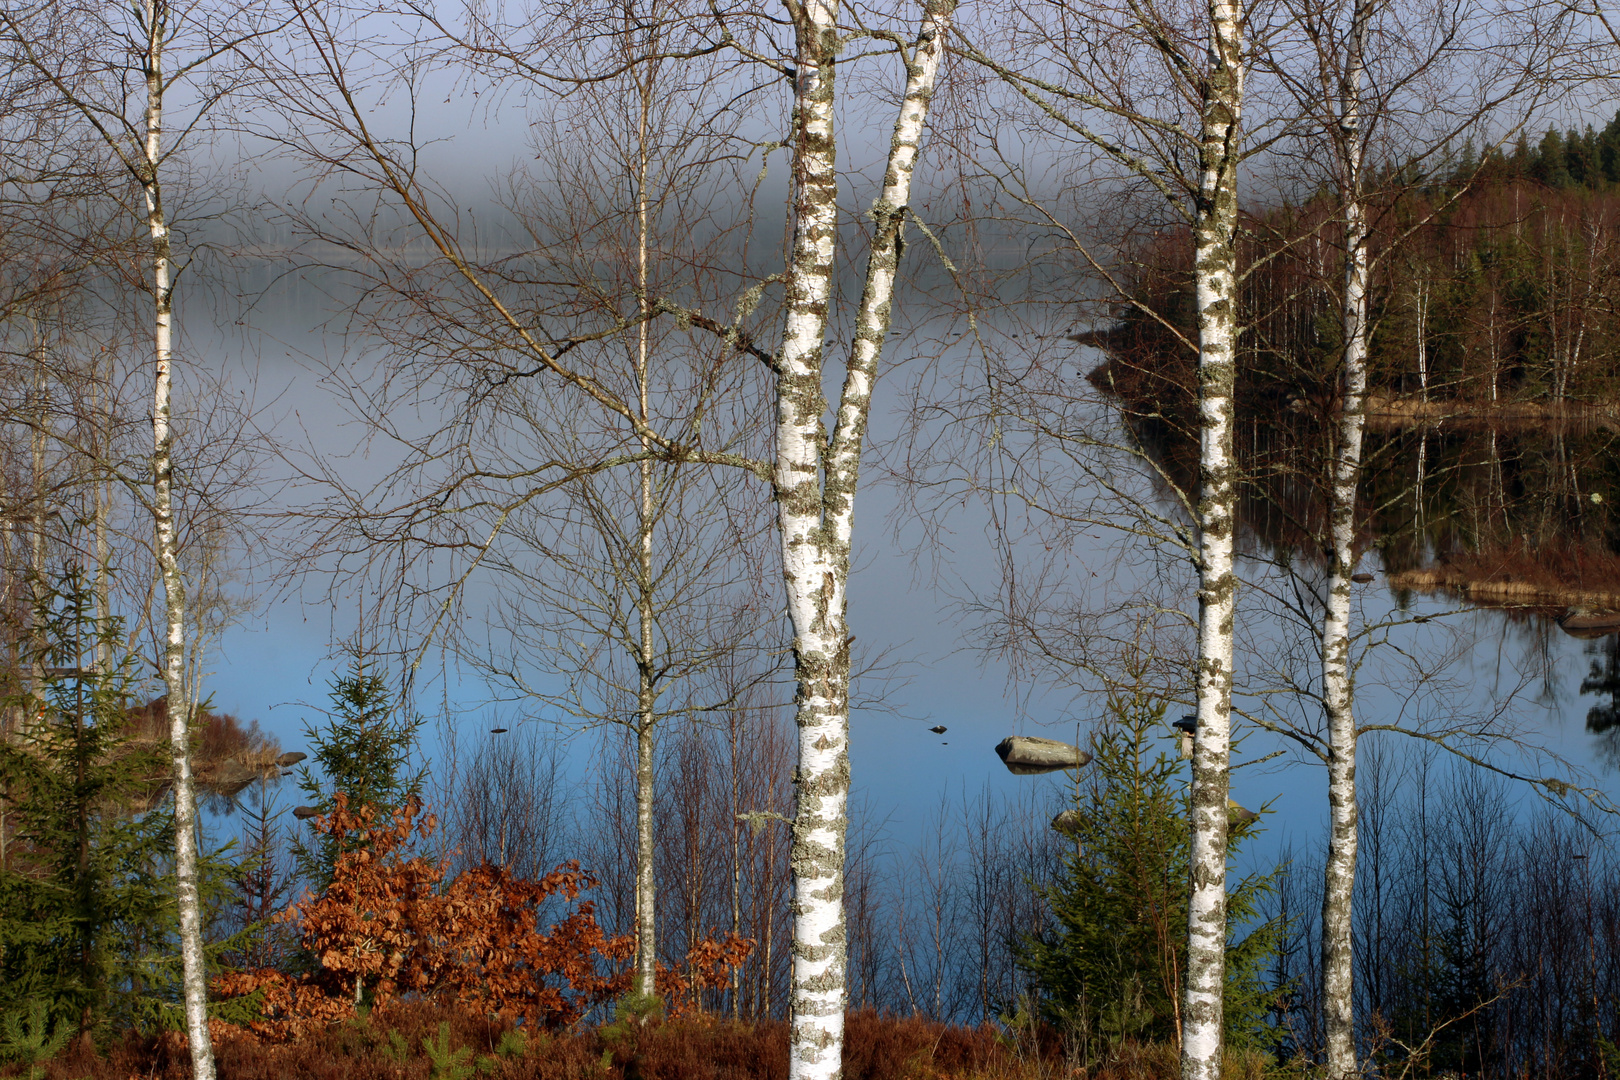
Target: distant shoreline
1406,409
1587,612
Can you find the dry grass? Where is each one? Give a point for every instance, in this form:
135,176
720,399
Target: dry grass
1384,410
703,1048
1549,577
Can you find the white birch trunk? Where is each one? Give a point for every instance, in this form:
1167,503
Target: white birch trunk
195,975
1215,256
809,570
101,510
1423,338
735,825
9,715
815,489
647,698
1338,689
646,836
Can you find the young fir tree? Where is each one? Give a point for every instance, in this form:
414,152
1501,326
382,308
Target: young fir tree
1111,966
88,917
364,751
67,884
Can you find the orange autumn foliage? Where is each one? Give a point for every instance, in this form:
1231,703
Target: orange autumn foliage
385,925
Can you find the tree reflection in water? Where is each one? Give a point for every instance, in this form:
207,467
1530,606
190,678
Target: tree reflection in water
1603,719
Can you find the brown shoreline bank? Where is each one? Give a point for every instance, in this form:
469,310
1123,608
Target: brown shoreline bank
1580,611
1385,409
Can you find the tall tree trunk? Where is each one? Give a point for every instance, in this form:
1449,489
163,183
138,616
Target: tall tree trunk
10,715
195,975
1216,287
1423,337
101,513
815,492
734,825
647,694
1338,689
38,420
809,570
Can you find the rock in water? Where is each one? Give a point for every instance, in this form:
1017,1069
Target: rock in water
1583,622
1067,823
1025,755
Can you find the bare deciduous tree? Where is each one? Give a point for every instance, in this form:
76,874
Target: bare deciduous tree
1166,109
813,473
1384,89
115,71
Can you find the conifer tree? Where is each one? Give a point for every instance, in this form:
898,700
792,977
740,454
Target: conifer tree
89,921
1112,966
72,875
363,750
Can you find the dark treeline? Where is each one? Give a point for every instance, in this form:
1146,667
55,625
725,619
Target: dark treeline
1494,283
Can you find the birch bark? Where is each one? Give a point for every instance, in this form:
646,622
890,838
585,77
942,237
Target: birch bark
194,976
1338,690
815,482
1215,229
646,689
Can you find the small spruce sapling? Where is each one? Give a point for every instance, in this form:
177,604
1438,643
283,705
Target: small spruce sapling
1109,967
88,920
31,1039
364,750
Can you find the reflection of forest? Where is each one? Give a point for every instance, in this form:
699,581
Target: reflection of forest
1514,516
1500,515
1604,679
1494,375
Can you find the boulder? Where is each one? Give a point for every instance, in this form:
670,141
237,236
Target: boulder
291,757
1581,622
1025,755
1067,823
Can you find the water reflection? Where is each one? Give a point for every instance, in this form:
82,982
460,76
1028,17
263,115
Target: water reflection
1515,520
1603,681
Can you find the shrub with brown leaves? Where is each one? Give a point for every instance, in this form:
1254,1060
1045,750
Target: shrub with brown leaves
385,929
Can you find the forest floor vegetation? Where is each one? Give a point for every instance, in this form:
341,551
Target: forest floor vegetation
415,1040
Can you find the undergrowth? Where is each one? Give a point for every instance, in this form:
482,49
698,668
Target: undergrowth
420,1041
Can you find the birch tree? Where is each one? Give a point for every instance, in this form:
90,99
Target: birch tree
622,566
815,480
1339,873
1408,80
1173,125
813,472
114,69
